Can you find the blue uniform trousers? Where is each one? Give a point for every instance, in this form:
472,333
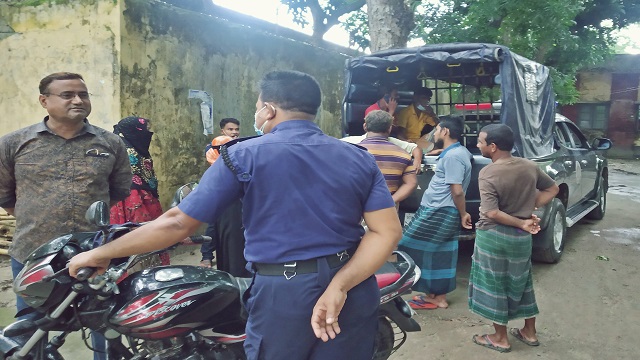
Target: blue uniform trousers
279,325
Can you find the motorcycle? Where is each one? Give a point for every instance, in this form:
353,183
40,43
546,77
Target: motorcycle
165,313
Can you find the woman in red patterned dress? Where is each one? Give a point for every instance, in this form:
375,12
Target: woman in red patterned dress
143,203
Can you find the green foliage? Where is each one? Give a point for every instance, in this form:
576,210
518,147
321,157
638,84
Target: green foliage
566,35
358,28
325,13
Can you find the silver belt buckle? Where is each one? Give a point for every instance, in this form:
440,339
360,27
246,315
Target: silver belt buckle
343,255
290,267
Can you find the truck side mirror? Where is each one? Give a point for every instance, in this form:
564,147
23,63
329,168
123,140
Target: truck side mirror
98,214
601,144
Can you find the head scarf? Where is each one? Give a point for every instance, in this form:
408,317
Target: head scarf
135,133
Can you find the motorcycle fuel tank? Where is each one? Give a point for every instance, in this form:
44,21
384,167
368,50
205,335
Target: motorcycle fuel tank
169,301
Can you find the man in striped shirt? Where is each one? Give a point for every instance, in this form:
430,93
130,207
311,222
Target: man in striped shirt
395,163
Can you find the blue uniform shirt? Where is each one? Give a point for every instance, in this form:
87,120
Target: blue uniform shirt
303,193
453,167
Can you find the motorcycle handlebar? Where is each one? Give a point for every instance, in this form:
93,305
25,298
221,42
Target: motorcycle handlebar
193,240
84,273
200,239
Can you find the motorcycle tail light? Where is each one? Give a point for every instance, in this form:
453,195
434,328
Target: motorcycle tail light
417,274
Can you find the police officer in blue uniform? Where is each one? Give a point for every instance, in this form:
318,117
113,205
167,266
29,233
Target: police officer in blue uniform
304,194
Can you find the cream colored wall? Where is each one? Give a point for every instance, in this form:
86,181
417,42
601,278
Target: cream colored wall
167,51
81,37
594,86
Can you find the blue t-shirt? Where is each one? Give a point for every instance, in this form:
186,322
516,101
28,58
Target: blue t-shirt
303,193
452,167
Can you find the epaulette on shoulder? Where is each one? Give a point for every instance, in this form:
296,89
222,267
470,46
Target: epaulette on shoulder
235,141
225,154
230,143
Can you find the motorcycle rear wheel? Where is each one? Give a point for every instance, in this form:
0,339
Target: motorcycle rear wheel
384,340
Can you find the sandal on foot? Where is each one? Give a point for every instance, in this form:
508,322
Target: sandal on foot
516,333
206,263
422,305
422,299
489,344
419,298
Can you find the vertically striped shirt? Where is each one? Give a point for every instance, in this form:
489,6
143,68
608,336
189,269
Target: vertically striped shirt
392,160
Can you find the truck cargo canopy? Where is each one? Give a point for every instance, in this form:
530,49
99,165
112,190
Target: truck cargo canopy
528,100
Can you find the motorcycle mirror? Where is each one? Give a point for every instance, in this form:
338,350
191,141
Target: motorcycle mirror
98,214
182,192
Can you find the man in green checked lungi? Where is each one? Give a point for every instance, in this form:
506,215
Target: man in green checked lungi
500,284
431,238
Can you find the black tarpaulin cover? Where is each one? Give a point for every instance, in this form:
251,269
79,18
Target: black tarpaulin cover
528,100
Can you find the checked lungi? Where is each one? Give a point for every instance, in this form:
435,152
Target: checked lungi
431,239
500,284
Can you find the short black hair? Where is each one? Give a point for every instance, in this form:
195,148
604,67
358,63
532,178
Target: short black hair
225,121
499,134
378,121
423,91
47,80
291,91
455,124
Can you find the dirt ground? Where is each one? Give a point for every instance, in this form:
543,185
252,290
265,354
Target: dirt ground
589,308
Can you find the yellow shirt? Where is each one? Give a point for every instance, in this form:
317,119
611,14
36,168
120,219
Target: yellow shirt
408,119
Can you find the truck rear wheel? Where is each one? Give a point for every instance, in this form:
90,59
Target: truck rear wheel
553,236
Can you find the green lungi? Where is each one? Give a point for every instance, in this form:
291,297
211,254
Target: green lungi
500,283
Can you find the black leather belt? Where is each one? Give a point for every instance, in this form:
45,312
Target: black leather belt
293,268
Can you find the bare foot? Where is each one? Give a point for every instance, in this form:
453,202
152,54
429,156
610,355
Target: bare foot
206,263
437,300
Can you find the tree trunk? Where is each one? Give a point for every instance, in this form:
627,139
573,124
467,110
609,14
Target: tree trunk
390,22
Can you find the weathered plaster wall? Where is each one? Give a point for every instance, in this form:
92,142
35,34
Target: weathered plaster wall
167,51
594,86
142,57
78,36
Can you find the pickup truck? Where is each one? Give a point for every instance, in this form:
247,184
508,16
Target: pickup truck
486,83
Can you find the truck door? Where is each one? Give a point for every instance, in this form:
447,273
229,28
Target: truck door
585,158
566,157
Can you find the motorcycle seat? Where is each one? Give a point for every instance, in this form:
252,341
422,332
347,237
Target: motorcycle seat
387,275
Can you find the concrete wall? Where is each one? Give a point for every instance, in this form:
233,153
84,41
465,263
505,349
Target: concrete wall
166,51
81,36
142,56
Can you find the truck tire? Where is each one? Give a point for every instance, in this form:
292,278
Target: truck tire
601,198
553,236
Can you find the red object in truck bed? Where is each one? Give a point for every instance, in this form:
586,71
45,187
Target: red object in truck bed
467,107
